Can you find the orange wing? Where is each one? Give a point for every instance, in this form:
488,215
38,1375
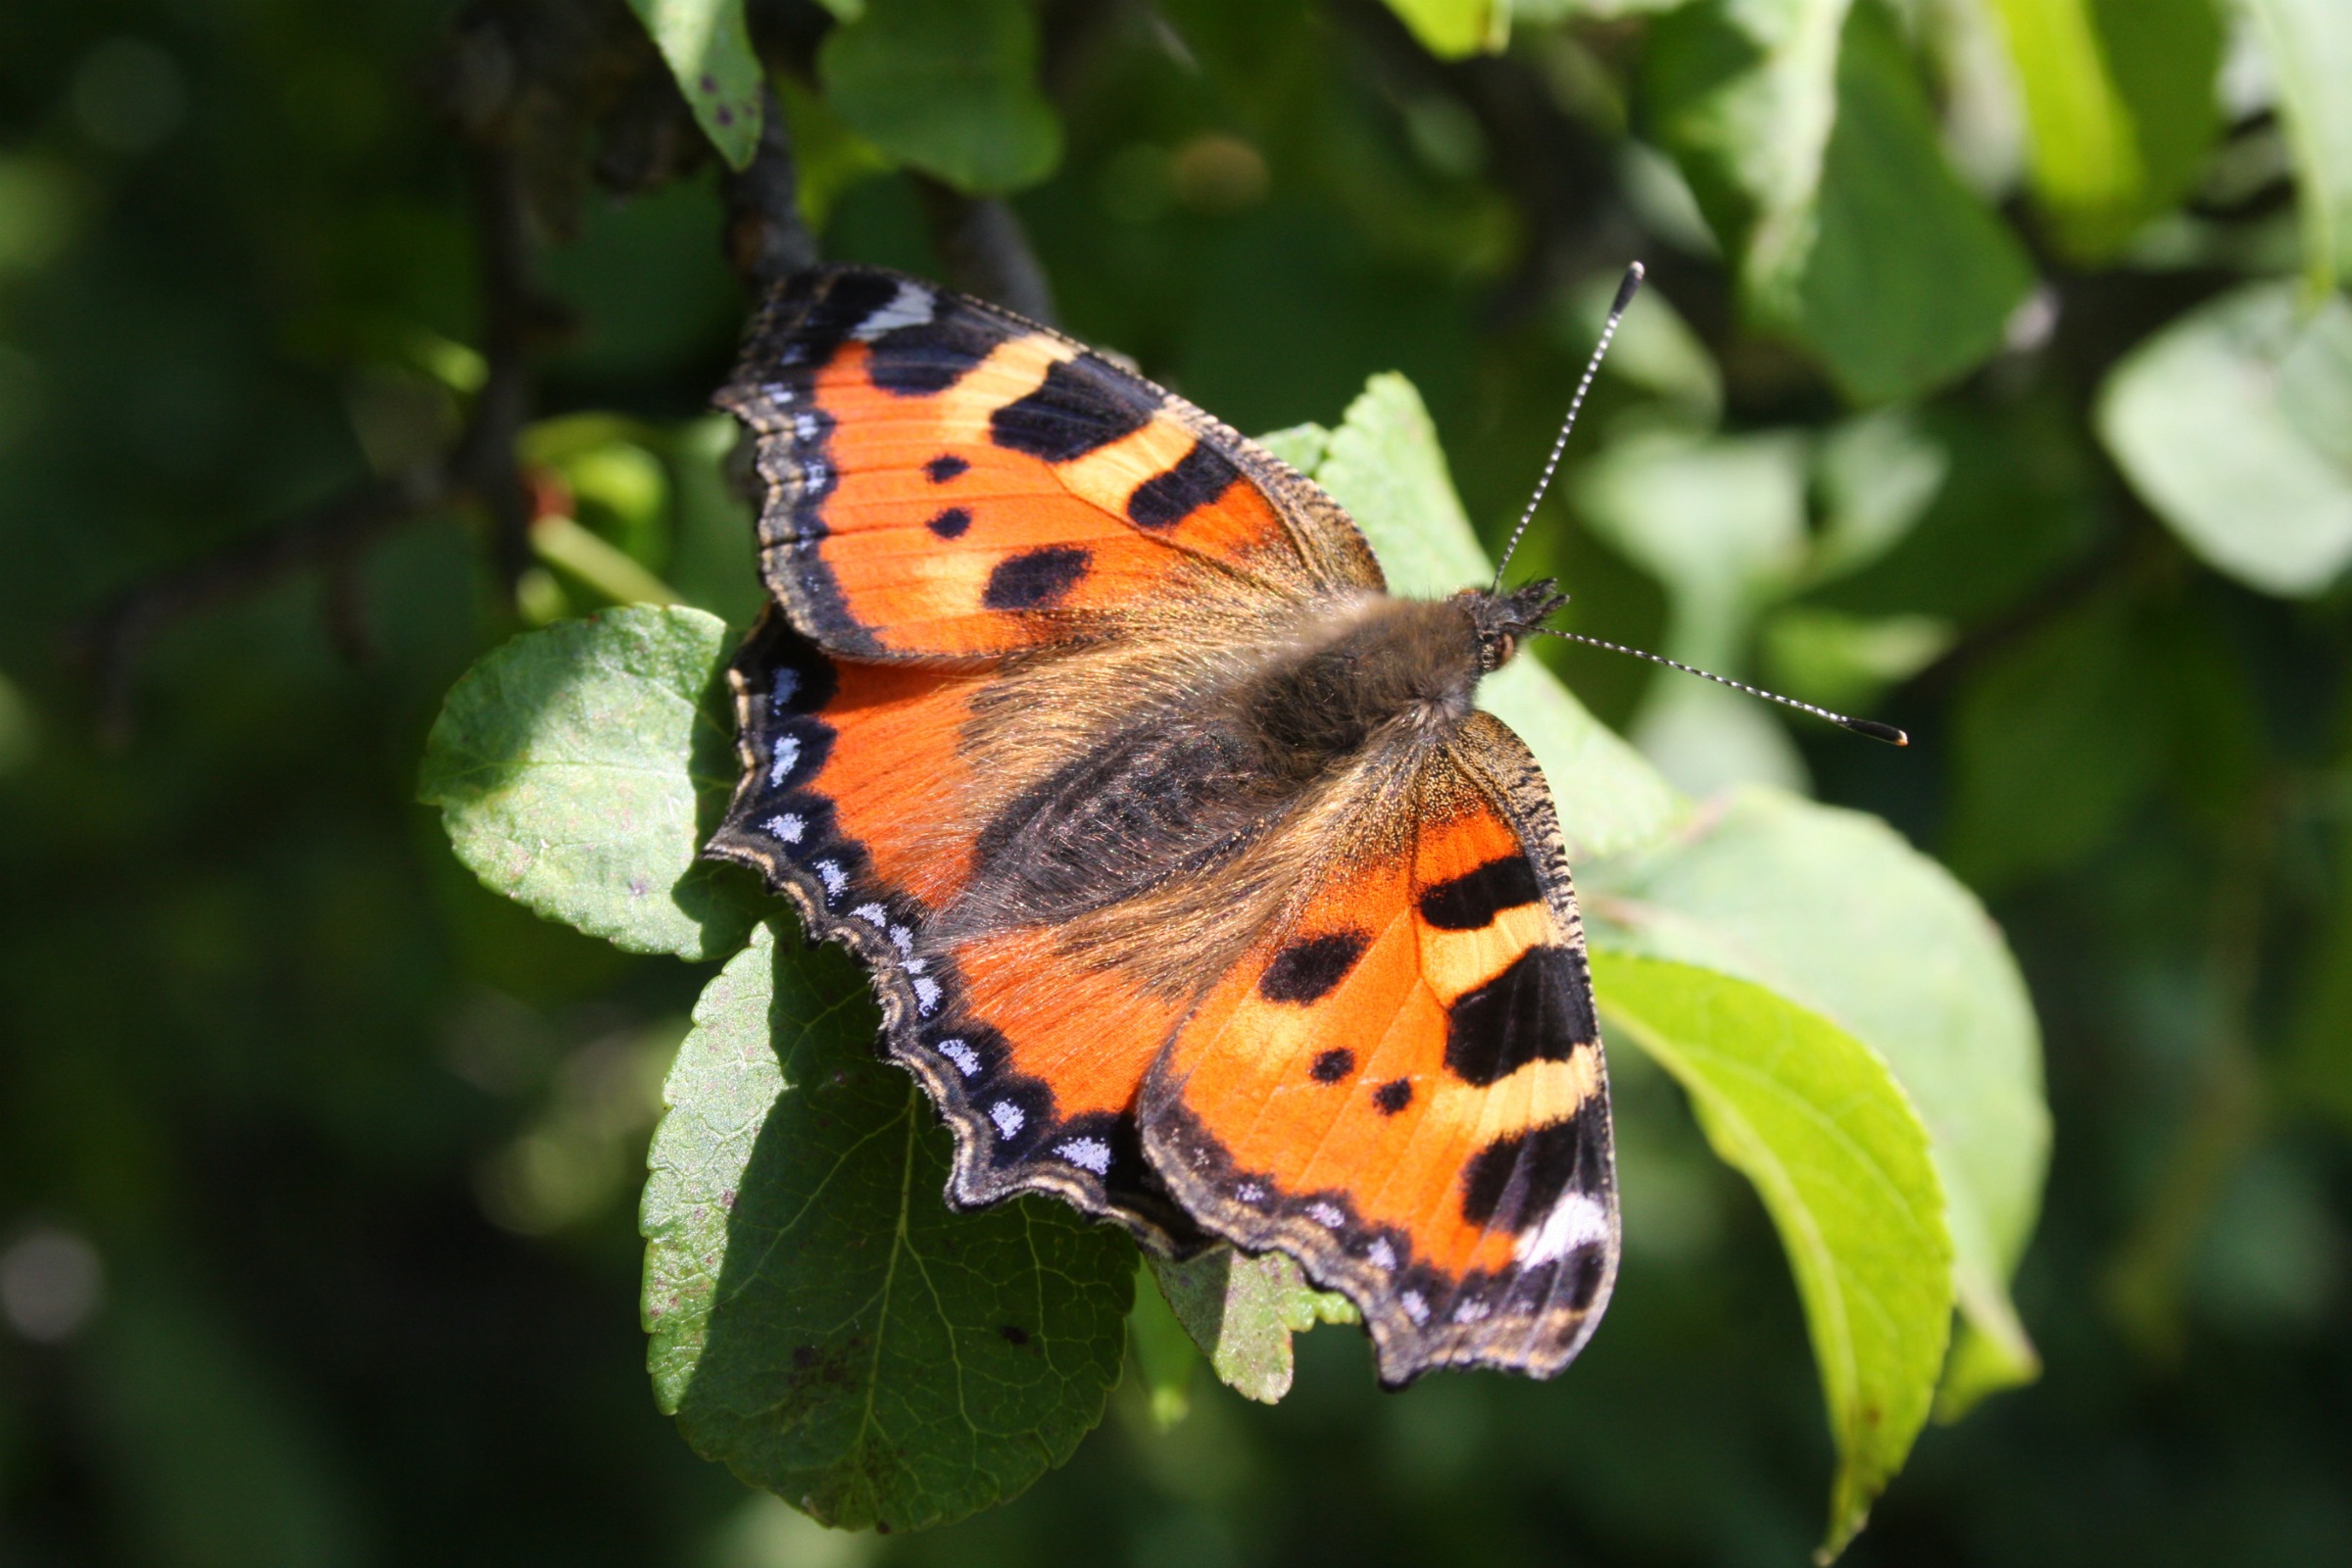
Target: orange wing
1403,1086
845,806
945,480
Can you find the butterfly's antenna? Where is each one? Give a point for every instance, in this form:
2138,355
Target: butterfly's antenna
1860,726
1608,331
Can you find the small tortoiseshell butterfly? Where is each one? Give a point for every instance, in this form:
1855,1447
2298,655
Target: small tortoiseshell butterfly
1197,891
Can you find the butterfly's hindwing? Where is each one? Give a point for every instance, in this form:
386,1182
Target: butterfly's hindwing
1402,1085
834,756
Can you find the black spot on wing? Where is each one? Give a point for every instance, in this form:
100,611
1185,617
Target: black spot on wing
1586,1266
1199,478
1539,1009
931,357
1392,1096
1307,969
1513,1182
1036,579
947,466
1083,404
1472,900
950,524
1333,1065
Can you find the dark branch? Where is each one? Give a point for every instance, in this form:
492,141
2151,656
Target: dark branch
514,321
327,535
767,240
983,248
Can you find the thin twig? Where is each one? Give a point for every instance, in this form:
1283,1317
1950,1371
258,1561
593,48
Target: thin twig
513,322
767,240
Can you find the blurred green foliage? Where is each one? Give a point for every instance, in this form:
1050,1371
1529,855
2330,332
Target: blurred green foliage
317,1193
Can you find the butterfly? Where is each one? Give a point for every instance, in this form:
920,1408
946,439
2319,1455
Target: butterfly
1196,888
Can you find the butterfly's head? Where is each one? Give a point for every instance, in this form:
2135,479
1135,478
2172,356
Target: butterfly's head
1503,619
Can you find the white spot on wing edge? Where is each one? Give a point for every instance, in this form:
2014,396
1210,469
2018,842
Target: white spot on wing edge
926,995
835,879
786,827
1381,1254
965,1058
1327,1215
1088,1154
785,757
911,306
873,914
1470,1311
1576,1220
1414,1307
1007,1116
787,686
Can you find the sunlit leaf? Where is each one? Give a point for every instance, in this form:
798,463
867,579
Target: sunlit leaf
2310,47
2229,424
1846,662
1720,521
1383,463
710,51
820,1320
1242,1312
949,86
1453,28
1814,1119
578,768
2120,108
1833,911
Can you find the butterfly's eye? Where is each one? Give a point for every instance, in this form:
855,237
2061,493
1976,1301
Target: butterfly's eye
1495,649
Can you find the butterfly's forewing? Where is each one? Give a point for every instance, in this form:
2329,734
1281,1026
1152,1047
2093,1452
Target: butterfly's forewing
1401,1085
944,480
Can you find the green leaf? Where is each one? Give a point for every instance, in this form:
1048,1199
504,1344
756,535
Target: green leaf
1383,465
2058,737
1809,1116
710,51
1911,280
1848,662
820,1320
1161,1353
2231,423
579,769
1452,29
1242,1312
949,86
1720,521
2310,47
1812,148
1833,911
2120,108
